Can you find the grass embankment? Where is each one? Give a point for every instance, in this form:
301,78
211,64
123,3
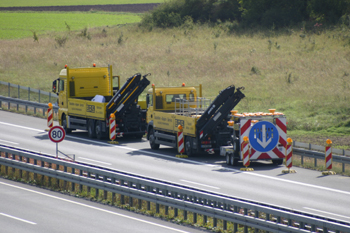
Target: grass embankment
15,25
21,3
303,74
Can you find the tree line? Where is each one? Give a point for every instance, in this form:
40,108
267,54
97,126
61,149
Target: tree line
248,13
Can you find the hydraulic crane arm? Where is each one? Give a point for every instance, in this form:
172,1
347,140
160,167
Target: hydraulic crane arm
127,94
218,110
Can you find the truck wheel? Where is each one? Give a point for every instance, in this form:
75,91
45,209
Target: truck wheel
91,129
98,130
188,146
277,162
64,125
152,139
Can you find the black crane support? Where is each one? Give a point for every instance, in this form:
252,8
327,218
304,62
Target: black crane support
127,94
218,110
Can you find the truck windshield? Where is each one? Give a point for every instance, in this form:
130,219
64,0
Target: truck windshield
173,97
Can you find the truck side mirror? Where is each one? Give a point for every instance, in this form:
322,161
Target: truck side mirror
54,86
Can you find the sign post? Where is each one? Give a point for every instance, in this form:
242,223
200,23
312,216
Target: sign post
56,135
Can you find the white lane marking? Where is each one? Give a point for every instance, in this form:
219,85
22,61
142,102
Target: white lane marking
325,212
94,208
19,219
8,142
22,127
195,162
96,161
191,182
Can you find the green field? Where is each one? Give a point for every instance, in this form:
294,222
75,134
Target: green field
10,3
15,25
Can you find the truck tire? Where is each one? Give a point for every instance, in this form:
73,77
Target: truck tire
98,130
91,128
64,125
152,139
188,146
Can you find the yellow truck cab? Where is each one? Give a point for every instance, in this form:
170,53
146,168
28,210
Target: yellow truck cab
87,97
204,123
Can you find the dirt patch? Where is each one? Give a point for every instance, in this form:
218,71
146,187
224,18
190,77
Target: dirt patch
133,8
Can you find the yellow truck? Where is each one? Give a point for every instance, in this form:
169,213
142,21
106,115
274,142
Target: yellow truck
87,97
204,122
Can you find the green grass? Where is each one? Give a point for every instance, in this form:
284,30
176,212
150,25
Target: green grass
307,78
17,3
14,25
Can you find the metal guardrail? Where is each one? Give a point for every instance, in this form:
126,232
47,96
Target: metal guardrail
321,155
27,104
217,206
29,91
313,147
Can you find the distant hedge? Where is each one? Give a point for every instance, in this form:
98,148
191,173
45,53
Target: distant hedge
266,13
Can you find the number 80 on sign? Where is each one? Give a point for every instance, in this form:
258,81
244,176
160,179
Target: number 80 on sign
57,134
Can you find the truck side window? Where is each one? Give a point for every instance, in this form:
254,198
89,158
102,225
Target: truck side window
149,100
191,97
61,85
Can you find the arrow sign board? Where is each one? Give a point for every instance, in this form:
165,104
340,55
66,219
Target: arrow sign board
57,134
263,136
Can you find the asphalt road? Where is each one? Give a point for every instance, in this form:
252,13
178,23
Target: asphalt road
307,190
26,208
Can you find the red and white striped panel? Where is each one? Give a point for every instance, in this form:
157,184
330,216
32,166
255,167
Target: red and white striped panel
49,117
289,156
112,128
329,157
275,153
180,141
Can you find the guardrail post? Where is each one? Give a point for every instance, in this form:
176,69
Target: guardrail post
148,189
122,202
130,197
35,175
20,170
6,167
113,193
80,186
18,98
97,193
42,164
88,188
27,172
215,222
64,182
73,184
105,192
224,225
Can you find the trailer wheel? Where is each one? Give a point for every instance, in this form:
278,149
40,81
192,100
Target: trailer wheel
64,124
228,157
98,130
91,129
233,160
152,139
277,162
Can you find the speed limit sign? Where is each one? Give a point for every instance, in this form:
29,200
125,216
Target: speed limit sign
57,134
